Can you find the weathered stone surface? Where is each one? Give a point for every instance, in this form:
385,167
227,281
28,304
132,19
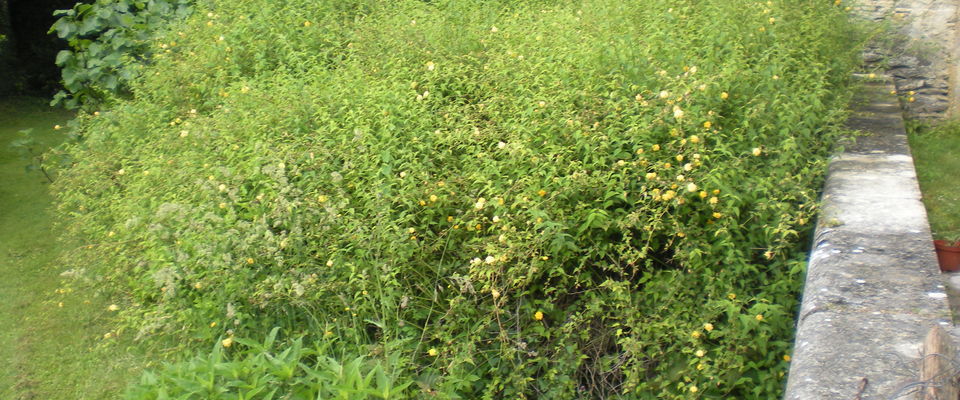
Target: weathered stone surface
924,58
873,289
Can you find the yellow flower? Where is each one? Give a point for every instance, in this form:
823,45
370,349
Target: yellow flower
249,261
716,191
542,192
213,324
433,198
677,112
717,215
708,327
724,95
700,353
431,66
700,366
422,203
695,334
56,127
911,99
111,234
691,187
702,194
227,342
494,29
222,205
651,175
707,124
449,218
757,151
113,307
432,352
668,195
772,20
732,296
694,389
330,262
322,199
695,139
714,200
538,316
679,157
759,317
786,357
307,24
656,147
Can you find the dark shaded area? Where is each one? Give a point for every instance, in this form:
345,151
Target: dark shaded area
28,53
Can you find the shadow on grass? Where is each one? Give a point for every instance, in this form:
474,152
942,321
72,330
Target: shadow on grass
51,339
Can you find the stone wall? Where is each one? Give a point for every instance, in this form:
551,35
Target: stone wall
922,55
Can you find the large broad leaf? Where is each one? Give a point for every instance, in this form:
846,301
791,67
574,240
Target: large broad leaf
63,57
91,25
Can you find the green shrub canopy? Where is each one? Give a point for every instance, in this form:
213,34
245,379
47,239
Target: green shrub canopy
533,198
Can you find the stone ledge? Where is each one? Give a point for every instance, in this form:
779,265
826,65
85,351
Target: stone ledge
873,289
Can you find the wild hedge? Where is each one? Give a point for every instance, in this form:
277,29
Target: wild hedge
506,198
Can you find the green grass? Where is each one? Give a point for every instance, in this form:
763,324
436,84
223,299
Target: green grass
936,154
47,351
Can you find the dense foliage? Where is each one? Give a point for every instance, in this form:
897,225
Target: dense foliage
492,198
109,43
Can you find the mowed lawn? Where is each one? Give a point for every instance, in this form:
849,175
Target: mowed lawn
936,154
49,335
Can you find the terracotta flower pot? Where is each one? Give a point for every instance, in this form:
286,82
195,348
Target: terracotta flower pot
948,255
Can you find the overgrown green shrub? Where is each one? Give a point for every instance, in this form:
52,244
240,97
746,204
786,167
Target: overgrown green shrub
521,198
